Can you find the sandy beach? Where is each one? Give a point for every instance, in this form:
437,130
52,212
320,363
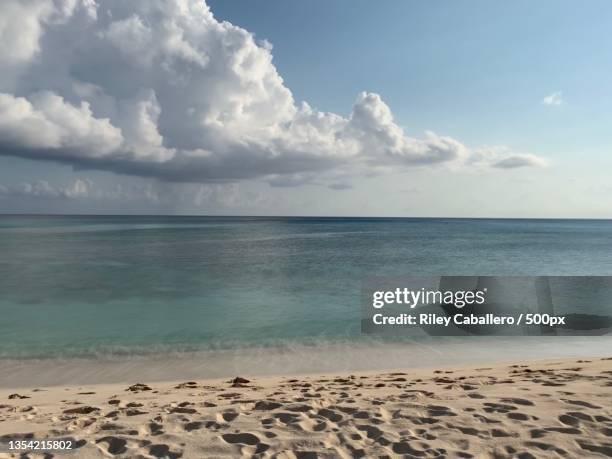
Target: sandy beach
553,408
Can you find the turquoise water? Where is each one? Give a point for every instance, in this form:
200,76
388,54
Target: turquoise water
96,286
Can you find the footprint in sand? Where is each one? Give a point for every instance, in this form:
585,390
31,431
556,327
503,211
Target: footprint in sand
162,450
546,447
227,416
182,410
265,405
574,418
187,385
82,410
438,410
134,412
405,448
360,414
240,438
606,431
371,431
539,433
138,387
606,450
582,403
468,387
287,418
305,455
499,433
114,445
267,423
298,408
518,416
117,429
470,431
154,428
517,401
330,414
194,425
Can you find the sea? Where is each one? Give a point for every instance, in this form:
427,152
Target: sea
99,288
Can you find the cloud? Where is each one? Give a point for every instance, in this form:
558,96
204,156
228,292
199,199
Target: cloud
504,158
43,189
520,160
160,88
46,121
144,193
554,99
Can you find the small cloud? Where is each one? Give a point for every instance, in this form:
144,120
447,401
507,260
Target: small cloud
501,157
79,189
520,160
555,99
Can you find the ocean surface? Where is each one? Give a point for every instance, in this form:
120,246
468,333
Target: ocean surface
103,286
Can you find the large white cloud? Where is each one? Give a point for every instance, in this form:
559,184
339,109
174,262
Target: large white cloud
160,88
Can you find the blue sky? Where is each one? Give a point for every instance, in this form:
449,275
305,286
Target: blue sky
522,79
476,70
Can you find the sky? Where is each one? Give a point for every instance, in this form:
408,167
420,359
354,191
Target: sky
286,107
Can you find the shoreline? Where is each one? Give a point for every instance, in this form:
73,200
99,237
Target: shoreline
558,407
297,359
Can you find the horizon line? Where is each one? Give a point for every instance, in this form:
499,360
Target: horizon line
30,214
